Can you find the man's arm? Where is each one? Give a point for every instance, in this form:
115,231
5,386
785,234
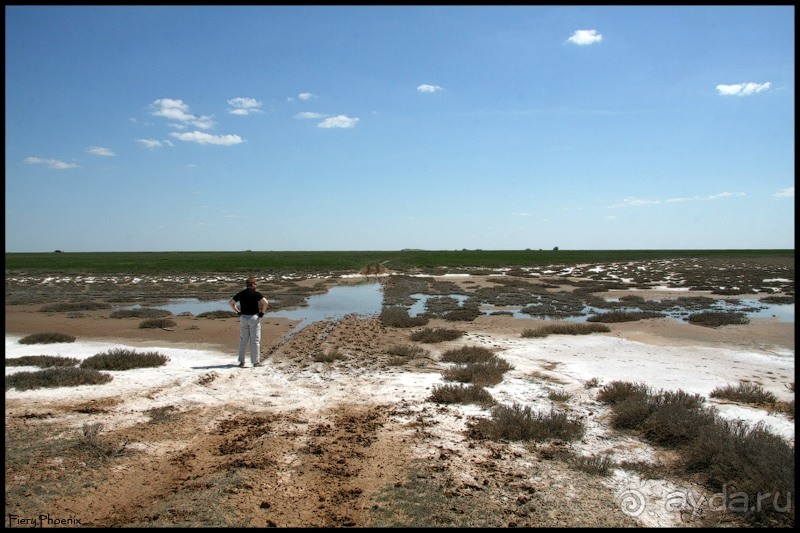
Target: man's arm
232,303
262,305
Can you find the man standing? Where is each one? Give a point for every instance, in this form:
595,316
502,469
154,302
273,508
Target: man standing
252,306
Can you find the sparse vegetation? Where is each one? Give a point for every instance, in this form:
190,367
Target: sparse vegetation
220,314
142,312
731,454
575,328
398,317
434,335
449,393
42,361
47,338
56,377
407,350
485,373
157,323
714,319
559,395
468,354
623,316
518,423
744,392
74,306
124,359
599,465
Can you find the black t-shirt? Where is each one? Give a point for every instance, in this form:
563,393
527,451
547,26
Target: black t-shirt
248,300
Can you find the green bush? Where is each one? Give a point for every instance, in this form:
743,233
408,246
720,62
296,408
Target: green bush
123,359
42,361
467,314
56,377
434,335
47,338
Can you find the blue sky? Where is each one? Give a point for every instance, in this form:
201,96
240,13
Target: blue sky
388,127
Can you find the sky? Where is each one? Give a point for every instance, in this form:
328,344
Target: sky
311,128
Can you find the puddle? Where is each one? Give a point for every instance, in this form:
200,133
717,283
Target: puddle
367,299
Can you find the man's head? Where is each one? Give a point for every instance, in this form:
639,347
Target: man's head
251,282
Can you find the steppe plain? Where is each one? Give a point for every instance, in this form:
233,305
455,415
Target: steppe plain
357,441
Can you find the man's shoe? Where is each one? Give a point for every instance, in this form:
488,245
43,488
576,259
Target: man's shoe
258,364
241,365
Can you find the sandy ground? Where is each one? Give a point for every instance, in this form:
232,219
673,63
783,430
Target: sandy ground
357,441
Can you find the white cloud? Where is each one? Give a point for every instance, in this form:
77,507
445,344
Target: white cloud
99,150
308,114
200,137
52,163
742,89
306,96
632,201
785,193
340,121
153,143
177,110
425,88
584,37
244,106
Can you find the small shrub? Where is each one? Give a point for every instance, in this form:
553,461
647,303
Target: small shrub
592,383
617,391
467,314
398,317
623,316
47,338
42,361
468,354
123,359
461,394
673,424
599,465
142,312
90,441
434,335
713,319
521,423
218,314
486,373
407,350
79,306
155,323
744,392
51,378
565,329
559,396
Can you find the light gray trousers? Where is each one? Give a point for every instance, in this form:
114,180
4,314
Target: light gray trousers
250,333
